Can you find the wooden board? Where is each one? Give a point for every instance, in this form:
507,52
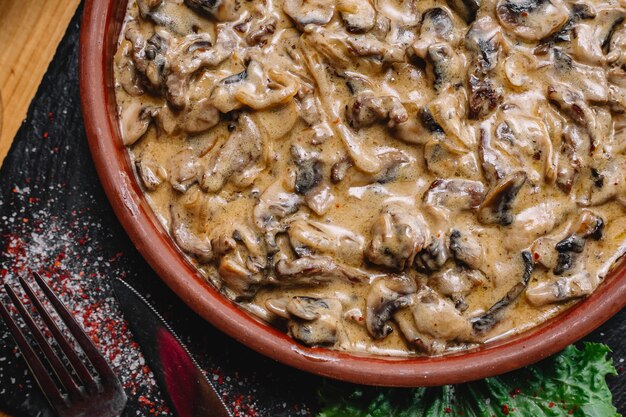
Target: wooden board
30,31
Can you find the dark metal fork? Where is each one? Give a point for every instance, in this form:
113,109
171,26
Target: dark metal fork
74,391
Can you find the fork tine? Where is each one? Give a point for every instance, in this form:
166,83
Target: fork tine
81,370
97,360
45,382
57,366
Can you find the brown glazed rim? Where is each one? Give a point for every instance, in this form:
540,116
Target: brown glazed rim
100,28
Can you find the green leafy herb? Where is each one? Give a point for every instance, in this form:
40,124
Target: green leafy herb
571,383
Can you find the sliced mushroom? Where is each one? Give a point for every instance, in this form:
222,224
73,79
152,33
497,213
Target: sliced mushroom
515,139
186,239
443,159
397,237
126,73
191,54
561,290
456,283
359,153
484,97
200,116
150,173
314,270
496,208
358,15
465,8
135,121
448,66
309,12
434,256
366,109
487,321
237,159
572,103
309,173
314,321
184,170
369,46
221,10
260,31
448,113
391,162
240,277
308,237
437,26
385,296
425,343
149,55
484,40
588,225
438,318
455,194
275,203
466,249
532,20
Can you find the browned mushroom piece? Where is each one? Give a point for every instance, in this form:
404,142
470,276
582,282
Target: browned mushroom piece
560,290
150,173
149,54
492,317
466,249
484,97
455,193
242,260
309,12
358,15
443,158
397,237
127,75
238,159
438,23
438,318
190,55
465,8
221,10
455,283
200,116
366,109
448,66
422,341
385,296
314,321
275,203
310,237
573,104
497,205
391,163
184,170
315,270
484,40
135,121
588,226
261,30
242,278
532,20
186,239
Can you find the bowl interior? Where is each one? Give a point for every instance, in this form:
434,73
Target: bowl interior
101,26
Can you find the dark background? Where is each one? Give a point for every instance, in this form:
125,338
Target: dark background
55,219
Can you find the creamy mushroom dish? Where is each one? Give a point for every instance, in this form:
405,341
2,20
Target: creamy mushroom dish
394,177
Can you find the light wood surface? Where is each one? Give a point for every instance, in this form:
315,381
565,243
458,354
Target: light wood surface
30,31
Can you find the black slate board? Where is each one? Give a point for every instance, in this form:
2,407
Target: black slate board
55,219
